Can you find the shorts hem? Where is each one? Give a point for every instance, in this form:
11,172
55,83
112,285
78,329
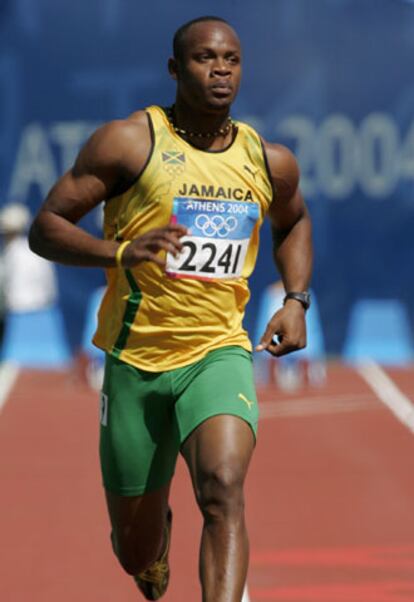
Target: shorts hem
138,490
252,424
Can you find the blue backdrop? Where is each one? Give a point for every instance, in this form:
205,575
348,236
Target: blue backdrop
332,79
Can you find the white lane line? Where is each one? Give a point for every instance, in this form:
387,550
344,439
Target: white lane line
8,376
246,597
388,392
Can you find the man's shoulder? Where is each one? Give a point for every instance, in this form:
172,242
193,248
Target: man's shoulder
279,155
122,142
281,160
123,131
283,167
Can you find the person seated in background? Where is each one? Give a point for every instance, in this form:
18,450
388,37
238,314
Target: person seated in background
29,281
34,334
2,300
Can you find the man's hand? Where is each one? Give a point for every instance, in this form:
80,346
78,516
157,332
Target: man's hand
147,246
286,331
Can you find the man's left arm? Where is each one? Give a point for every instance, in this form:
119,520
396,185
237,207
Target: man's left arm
292,252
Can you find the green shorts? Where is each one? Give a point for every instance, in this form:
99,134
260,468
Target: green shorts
146,416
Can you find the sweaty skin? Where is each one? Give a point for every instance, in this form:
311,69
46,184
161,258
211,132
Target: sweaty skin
218,452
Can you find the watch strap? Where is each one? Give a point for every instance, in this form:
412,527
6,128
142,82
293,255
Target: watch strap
304,298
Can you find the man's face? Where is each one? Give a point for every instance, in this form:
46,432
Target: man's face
208,74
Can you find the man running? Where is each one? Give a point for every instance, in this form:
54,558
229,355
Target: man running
186,189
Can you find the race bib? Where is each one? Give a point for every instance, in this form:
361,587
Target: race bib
219,237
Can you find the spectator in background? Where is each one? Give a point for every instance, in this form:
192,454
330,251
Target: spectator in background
34,334
28,281
2,301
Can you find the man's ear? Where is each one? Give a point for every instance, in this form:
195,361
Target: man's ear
173,68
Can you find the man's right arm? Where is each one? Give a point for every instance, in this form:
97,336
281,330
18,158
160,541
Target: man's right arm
110,161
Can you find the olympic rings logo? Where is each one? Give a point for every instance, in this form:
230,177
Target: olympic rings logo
216,225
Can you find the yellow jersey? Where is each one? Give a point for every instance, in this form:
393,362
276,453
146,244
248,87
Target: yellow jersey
159,319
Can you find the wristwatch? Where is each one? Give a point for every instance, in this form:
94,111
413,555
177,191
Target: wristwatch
303,298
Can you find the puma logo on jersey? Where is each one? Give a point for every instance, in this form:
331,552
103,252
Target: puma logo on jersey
251,171
246,401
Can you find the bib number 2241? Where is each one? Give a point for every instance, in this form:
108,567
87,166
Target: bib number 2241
220,233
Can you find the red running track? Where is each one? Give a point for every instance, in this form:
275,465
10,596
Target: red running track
330,498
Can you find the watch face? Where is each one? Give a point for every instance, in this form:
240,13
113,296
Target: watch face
303,298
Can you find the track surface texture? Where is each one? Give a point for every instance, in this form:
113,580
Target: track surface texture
330,497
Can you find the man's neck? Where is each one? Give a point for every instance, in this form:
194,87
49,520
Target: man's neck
207,124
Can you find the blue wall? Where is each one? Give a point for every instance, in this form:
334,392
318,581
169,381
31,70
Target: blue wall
332,79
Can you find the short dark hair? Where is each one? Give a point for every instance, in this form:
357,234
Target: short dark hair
178,40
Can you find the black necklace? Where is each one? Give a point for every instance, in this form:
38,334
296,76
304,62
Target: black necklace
182,132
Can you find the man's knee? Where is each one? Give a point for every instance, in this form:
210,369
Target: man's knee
220,492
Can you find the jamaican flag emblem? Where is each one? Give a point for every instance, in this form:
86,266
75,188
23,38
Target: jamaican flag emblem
174,162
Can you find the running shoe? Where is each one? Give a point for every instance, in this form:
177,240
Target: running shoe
153,582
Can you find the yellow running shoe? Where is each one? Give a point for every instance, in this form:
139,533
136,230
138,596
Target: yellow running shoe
153,582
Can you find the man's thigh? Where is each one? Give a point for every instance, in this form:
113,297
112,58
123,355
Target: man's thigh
139,440
220,384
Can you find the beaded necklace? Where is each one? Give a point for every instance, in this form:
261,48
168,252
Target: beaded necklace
207,135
